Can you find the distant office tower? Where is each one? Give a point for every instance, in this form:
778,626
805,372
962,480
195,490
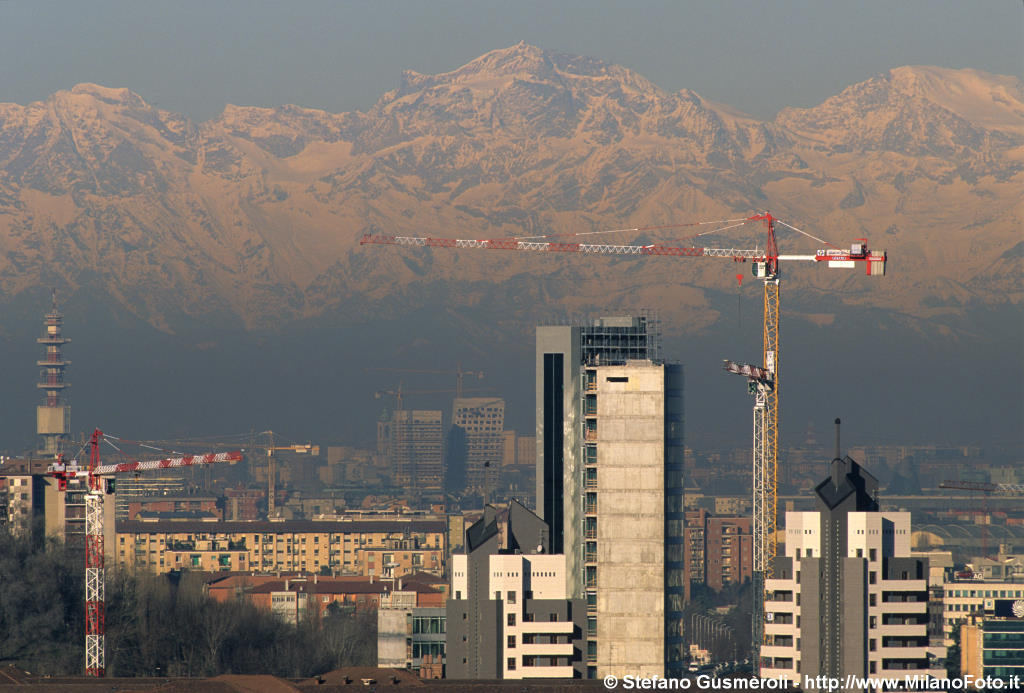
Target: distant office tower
847,598
53,416
483,420
508,613
610,484
415,449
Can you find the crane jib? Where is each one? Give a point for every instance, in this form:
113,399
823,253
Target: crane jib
186,461
552,247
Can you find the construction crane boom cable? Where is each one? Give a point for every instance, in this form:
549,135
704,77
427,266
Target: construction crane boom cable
766,389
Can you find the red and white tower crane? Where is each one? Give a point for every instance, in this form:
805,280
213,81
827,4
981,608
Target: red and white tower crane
764,379
98,478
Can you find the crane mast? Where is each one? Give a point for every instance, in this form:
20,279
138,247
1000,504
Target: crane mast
763,380
95,570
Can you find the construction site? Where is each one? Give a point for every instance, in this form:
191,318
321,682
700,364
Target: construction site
370,530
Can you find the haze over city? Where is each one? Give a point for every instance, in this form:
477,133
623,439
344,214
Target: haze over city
207,364
397,343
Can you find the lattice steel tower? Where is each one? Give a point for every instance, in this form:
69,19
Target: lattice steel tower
53,416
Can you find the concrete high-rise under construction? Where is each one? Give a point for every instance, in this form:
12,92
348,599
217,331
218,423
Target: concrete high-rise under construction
483,421
416,448
610,485
53,416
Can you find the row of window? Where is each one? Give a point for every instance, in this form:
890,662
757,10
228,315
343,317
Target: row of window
1005,594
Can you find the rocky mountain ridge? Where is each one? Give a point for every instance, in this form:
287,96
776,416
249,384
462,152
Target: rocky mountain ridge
254,218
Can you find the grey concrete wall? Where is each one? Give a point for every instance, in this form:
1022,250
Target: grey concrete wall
855,617
630,520
810,617
391,635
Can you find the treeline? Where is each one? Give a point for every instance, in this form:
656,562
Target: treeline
159,625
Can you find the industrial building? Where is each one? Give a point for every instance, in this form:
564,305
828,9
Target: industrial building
610,485
509,614
847,598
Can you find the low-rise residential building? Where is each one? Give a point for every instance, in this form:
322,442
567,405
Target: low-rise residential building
379,548
300,596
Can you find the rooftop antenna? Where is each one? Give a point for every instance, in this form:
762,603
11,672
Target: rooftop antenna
837,462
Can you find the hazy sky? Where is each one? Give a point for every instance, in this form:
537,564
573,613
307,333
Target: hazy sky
195,56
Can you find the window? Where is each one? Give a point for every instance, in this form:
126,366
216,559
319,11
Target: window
511,619
872,600
860,553
872,577
617,379
552,617
511,663
872,554
511,642
810,553
872,644
511,597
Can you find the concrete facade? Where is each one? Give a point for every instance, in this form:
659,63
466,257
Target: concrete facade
416,448
483,420
407,633
610,484
637,578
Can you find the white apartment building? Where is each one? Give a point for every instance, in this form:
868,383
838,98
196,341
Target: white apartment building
847,597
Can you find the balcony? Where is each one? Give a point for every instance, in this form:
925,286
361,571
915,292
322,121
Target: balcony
904,607
548,672
547,627
778,651
546,649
